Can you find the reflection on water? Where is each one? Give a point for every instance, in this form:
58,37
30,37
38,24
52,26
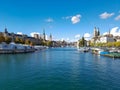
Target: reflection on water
58,68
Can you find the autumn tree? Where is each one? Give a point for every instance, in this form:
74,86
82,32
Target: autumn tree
22,41
27,41
117,44
8,39
2,38
17,40
49,43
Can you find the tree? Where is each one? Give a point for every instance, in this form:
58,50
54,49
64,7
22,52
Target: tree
117,44
43,43
8,40
17,40
32,43
49,43
22,41
27,41
110,44
2,38
92,44
82,42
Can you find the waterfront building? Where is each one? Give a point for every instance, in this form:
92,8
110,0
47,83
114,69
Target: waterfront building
36,36
23,37
40,36
105,39
96,32
117,38
50,37
44,36
97,38
96,35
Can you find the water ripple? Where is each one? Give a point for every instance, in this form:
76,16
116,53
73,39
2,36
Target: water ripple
59,68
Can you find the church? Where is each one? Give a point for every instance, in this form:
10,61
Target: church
97,38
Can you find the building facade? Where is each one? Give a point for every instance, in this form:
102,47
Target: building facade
97,38
23,37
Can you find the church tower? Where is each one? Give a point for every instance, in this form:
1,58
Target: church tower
50,38
98,32
95,32
44,36
5,30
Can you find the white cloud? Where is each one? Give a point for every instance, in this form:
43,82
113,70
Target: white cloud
115,31
75,19
62,39
77,36
47,38
105,33
32,33
67,39
106,15
117,18
49,20
20,33
87,35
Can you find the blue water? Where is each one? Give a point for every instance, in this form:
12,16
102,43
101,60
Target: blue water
59,69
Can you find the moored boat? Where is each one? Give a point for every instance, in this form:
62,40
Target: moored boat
83,49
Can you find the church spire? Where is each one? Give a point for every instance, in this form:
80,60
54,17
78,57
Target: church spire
98,31
50,37
95,32
6,30
44,34
109,31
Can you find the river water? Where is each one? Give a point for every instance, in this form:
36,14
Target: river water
59,69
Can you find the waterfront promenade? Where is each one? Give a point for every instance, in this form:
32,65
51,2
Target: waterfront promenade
13,48
105,51
59,69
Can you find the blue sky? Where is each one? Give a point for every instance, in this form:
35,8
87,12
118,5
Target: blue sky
62,18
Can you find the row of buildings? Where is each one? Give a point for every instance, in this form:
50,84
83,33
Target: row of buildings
37,39
97,38
42,36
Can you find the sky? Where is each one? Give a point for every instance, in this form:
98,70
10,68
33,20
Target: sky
64,19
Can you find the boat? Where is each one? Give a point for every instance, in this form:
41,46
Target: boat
15,48
83,49
100,51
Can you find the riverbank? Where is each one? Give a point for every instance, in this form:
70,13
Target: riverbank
113,55
108,52
13,48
